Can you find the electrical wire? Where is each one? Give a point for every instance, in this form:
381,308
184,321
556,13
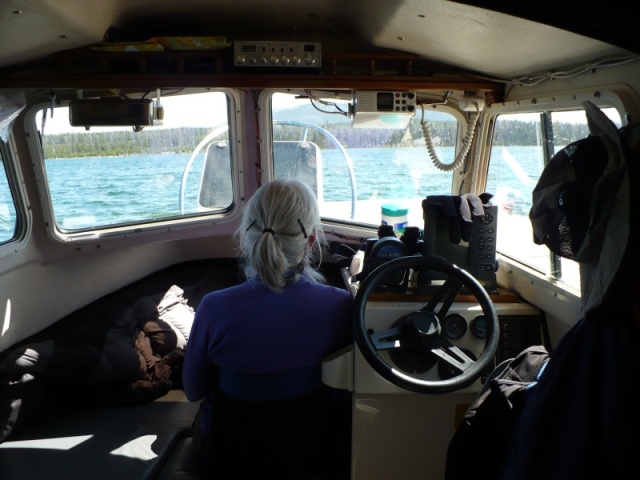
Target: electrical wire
588,67
466,143
313,98
532,81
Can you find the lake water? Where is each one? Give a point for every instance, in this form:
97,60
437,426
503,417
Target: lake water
105,191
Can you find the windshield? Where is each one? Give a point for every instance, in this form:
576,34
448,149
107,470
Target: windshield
111,176
361,170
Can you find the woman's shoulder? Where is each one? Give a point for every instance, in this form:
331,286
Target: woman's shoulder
229,292
323,288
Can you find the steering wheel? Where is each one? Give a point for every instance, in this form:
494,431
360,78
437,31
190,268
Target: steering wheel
422,330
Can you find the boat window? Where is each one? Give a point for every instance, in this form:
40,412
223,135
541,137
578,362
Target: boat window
8,211
522,145
113,176
357,169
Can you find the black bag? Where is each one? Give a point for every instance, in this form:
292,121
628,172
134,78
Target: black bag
478,448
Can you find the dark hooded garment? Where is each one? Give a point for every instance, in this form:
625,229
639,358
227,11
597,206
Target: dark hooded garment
579,419
573,416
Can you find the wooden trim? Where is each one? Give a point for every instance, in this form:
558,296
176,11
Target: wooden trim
85,68
502,296
247,81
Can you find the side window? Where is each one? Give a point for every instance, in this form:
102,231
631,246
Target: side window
522,145
8,212
361,171
105,177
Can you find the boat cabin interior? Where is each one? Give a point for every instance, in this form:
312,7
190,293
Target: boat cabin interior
132,134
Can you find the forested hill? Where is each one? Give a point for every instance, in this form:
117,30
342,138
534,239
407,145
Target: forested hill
122,142
184,140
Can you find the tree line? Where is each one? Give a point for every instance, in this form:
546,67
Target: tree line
123,142
185,139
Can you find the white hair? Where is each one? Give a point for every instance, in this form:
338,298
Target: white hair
274,234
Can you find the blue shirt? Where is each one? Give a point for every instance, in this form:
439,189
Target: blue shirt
249,329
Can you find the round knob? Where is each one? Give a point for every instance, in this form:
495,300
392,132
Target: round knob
422,329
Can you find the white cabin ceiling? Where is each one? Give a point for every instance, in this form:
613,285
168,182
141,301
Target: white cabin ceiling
449,33
476,39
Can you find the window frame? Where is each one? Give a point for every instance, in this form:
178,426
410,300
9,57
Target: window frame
169,226
24,221
511,267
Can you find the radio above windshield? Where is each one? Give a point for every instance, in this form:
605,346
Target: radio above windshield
388,109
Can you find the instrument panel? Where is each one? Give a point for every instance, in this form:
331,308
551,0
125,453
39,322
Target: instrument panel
464,326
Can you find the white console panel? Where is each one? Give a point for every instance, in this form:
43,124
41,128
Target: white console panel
396,433
404,436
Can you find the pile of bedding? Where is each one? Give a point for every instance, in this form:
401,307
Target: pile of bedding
128,354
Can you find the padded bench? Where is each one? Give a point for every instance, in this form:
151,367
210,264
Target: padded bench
78,440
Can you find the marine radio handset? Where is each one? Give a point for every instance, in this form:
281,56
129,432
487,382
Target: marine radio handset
469,103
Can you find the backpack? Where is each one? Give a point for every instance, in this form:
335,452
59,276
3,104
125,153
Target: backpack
479,447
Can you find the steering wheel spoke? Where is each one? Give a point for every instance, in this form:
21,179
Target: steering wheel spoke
388,339
454,357
444,296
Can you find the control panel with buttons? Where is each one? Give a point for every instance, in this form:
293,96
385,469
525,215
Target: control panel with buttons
473,249
277,54
517,332
482,248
